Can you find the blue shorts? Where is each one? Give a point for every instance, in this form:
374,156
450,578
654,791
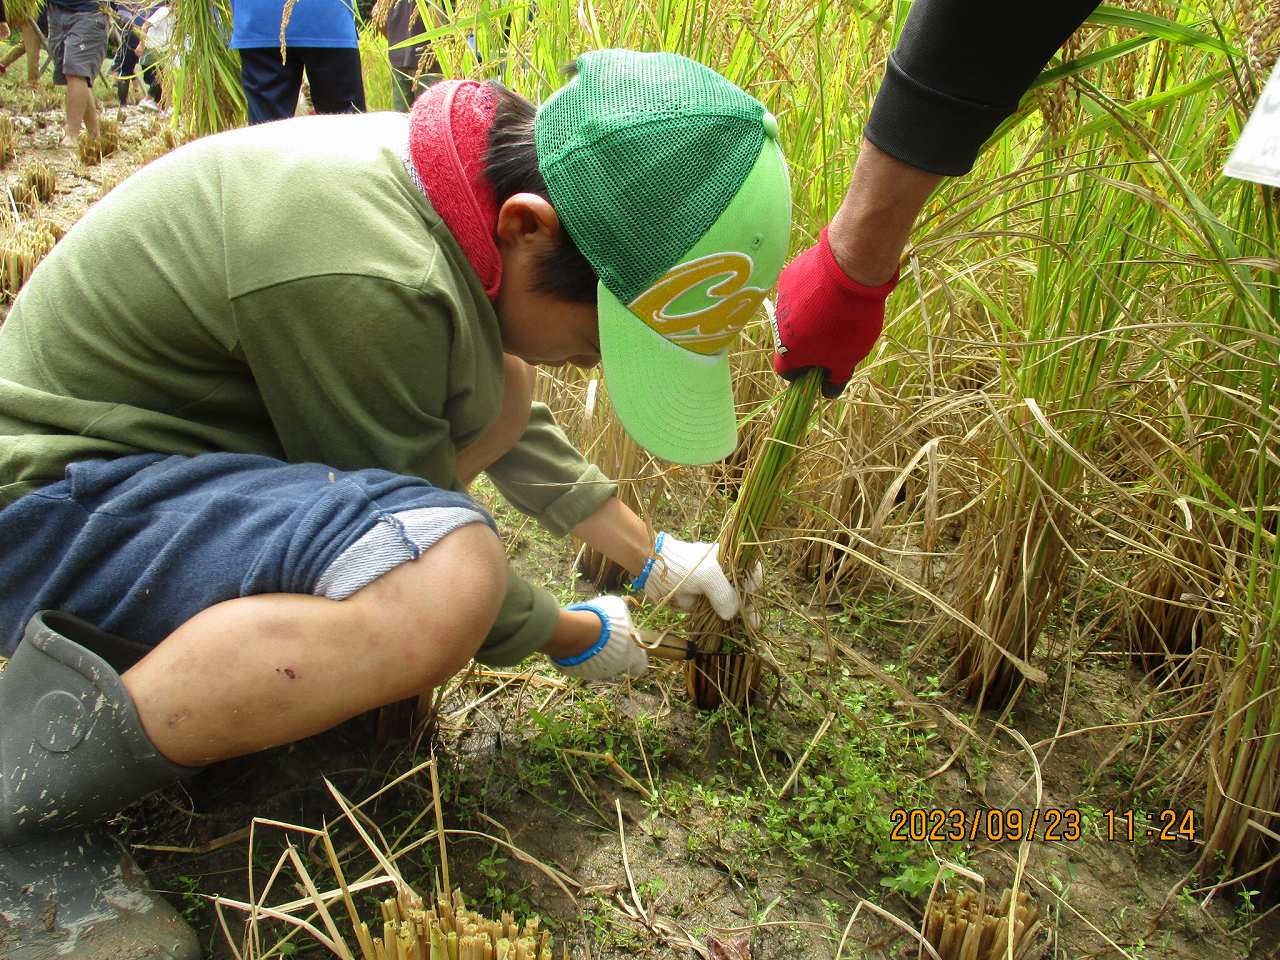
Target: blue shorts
141,544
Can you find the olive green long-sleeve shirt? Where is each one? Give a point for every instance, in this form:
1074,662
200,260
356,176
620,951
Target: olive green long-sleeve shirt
283,290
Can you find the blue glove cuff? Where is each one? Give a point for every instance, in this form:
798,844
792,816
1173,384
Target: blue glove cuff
638,583
596,647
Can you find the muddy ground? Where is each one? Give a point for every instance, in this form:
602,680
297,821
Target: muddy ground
709,844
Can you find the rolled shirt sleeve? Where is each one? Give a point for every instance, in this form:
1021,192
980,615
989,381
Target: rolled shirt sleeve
545,477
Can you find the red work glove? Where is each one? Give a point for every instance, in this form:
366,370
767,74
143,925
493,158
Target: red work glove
825,319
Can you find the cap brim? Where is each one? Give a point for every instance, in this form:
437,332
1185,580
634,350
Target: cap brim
675,403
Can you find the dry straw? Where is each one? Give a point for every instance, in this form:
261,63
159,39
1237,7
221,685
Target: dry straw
611,448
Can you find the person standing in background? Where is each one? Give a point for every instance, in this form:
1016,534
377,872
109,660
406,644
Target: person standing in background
77,46
32,33
319,37
154,45
410,75
129,17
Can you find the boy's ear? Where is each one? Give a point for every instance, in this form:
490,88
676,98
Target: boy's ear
527,216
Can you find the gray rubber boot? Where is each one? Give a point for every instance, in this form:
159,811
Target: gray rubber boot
73,752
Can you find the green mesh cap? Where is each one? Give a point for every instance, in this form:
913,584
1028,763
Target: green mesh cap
670,180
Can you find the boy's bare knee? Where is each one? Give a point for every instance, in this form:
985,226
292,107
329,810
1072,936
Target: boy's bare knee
484,564
427,618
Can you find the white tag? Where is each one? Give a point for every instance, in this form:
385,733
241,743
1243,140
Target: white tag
1257,153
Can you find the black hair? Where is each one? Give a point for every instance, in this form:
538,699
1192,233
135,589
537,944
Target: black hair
511,166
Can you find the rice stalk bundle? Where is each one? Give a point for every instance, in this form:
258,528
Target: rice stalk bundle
965,926
22,251
93,150
113,180
160,142
726,667
35,184
836,490
8,140
89,149
1173,615
19,11
204,78
450,931
754,387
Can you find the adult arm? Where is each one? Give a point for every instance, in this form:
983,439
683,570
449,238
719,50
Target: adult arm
957,72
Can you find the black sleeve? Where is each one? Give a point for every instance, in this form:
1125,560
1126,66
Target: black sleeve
959,69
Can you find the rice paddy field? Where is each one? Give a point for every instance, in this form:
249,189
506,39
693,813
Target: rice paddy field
1012,686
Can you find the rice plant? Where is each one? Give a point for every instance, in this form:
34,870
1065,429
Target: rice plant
375,67
8,141
22,10
1074,394
22,251
204,76
727,665
35,184
93,150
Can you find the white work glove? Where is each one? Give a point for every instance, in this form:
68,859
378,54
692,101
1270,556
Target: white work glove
685,571
616,654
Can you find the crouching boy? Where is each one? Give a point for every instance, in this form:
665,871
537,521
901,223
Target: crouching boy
233,480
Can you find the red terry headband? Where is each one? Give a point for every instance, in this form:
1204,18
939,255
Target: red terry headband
448,135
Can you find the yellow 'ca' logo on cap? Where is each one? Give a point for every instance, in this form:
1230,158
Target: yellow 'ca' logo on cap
712,328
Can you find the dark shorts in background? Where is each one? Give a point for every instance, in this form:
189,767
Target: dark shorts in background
271,83
77,43
140,545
